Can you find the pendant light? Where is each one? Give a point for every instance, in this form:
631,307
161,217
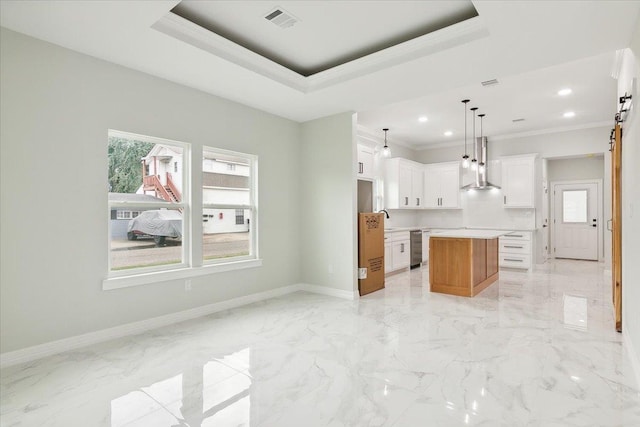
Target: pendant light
474,161
481,166
465,157
386,151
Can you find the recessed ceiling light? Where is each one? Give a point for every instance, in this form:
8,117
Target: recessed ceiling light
564,92
569,114
422,119
448,133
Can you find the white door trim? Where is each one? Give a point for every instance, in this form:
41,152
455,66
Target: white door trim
552,214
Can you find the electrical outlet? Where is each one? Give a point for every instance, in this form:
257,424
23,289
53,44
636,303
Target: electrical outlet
187,285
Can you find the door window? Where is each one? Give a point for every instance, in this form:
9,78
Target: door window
574,206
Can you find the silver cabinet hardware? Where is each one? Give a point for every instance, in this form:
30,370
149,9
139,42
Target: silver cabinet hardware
406,201
514,247
417,201
514,260
360,167
402,247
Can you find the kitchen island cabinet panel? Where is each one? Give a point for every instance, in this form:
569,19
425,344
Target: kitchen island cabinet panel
462,266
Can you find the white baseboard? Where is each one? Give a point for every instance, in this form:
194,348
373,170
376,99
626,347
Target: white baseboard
30,354
333,292
633,354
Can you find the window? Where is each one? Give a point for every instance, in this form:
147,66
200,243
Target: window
149,231
239,217
228,201
151,210
574,206
127,214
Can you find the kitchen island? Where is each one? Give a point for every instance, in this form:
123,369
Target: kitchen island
463,262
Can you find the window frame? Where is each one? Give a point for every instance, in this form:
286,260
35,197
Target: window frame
193,263
184,204
252,207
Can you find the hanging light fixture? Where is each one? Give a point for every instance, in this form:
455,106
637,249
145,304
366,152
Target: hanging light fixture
474,161
465,157
481,166
386,151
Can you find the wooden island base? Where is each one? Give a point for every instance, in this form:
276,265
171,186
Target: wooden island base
462,266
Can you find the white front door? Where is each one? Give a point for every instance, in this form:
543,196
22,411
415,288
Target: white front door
576,221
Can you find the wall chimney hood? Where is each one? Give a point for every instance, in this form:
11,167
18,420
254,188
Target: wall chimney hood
481,182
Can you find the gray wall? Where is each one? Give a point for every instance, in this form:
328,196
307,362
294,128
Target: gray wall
56,107
576,169
329,186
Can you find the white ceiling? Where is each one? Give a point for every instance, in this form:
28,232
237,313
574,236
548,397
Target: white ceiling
533,48
318,41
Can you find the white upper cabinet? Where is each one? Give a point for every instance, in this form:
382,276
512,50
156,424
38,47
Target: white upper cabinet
403,184
518,181
442,185
365,162
417,186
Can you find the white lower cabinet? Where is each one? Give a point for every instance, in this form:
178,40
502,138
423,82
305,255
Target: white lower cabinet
397,251
515,250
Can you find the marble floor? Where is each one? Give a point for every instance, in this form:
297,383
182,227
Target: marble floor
532,350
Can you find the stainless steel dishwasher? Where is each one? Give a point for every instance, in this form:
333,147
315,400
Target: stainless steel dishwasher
416,248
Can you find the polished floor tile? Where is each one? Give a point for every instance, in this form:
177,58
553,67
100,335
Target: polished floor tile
534,349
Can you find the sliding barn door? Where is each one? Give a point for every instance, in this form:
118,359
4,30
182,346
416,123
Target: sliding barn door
616,210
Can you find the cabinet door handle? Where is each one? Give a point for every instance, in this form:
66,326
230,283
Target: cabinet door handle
417,201
401,247
360,167
505,200
514,247
514,235
406,201
514,260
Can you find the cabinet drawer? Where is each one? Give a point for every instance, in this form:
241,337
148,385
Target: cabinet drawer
517,235
396,236
521,247
515,261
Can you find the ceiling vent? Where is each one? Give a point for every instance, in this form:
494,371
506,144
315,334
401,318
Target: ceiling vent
490,82
517,120
281,18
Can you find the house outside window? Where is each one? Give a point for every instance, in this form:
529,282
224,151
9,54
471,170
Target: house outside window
147,195
228,197
151,211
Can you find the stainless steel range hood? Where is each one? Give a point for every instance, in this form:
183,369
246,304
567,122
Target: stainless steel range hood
481,182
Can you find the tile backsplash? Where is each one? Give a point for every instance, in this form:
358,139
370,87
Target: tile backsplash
480,209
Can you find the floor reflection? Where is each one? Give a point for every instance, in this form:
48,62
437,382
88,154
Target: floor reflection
216,393
575,312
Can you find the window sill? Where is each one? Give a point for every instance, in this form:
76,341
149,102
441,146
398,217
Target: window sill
182,273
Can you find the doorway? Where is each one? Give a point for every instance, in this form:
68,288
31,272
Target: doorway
576,208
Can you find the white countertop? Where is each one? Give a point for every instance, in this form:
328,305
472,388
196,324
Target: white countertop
445,229
471,233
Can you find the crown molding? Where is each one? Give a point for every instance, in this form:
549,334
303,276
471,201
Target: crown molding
454,35
519,135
